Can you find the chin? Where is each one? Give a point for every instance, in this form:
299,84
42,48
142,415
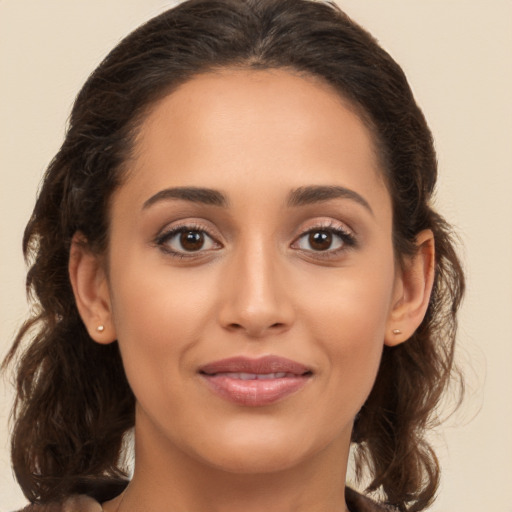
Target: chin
259,448
256,459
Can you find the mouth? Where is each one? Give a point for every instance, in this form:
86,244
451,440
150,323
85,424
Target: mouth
255,382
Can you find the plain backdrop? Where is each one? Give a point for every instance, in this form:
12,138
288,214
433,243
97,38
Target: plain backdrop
457,55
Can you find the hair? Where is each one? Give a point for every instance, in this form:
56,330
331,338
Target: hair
74,405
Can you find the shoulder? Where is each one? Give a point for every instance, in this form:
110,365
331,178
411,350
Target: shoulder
90,492
357,502
76,503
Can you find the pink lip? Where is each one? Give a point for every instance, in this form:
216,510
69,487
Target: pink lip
255,382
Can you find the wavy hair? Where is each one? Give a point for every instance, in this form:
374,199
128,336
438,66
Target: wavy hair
74,405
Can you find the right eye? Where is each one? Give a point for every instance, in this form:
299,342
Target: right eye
184,241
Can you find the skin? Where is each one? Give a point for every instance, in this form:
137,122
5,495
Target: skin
256,287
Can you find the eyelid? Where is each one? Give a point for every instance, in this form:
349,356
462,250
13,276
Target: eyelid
340,229
326,223
172,230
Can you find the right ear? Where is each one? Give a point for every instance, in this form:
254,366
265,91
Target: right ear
90,287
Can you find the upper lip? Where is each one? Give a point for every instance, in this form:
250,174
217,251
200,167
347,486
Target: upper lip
261,365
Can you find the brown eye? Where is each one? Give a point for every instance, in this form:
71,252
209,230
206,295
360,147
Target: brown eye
320,240
186,240
192,240
325,239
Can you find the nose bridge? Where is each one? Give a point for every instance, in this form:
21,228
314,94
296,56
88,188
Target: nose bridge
255,295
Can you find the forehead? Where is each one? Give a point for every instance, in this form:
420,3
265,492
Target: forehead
237,126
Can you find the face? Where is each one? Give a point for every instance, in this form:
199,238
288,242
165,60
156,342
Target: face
251,274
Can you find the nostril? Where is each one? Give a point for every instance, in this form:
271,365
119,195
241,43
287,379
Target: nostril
256,330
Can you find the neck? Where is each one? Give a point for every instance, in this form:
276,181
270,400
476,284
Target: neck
166,478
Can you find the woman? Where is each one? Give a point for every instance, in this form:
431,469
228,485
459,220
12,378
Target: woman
235,254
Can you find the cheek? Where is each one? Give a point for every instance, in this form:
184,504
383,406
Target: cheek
159,316
348,320
152,302
354,304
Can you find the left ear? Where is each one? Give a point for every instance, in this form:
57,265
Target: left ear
412,291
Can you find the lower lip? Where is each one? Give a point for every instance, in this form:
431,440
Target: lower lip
255,393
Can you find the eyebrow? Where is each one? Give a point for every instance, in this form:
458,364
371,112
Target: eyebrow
193,194
319,193
298,197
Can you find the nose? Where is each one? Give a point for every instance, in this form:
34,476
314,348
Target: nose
255,297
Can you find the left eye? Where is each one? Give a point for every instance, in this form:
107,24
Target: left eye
186,240
322,240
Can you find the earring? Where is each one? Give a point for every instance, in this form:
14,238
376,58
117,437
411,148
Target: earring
397,331
100,328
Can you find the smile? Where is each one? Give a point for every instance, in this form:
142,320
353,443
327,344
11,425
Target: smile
255,382
256,376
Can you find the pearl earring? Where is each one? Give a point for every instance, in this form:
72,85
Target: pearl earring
397,331
100,328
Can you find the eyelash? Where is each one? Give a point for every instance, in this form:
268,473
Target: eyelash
347,239
163,239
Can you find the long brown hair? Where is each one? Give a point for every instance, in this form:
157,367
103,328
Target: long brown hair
74,405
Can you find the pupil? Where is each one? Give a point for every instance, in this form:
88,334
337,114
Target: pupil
320,240
192,240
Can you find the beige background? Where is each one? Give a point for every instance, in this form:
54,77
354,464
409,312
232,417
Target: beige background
457,55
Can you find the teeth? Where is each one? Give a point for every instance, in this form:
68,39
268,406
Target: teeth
257,376
246,376
278,375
